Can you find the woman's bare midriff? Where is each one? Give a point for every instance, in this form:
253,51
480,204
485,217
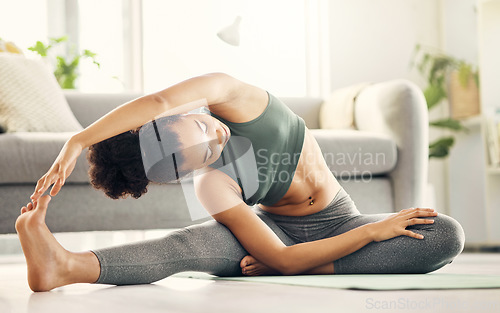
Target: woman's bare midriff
312,182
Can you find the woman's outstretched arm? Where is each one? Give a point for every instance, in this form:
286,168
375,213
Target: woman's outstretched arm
193,93
209,89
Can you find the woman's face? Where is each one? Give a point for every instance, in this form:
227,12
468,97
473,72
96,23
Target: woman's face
202,138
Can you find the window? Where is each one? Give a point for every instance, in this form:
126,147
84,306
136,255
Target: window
23,22
180,42
101,30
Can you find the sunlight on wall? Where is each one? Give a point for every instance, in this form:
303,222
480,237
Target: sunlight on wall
101,31
180,42
23,22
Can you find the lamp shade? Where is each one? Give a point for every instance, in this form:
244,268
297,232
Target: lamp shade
231,34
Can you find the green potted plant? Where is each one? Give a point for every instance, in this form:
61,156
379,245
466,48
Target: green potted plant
447,77
66,67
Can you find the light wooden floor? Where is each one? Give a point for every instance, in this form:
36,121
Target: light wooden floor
192,295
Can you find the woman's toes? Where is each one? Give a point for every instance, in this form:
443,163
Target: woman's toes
257,272
248,269
40,207
250,272
43,202
247,260
253,273
29,206
23,210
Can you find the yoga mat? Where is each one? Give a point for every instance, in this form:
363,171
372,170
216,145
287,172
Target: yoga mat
368,282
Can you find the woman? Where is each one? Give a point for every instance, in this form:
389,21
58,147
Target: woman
303,224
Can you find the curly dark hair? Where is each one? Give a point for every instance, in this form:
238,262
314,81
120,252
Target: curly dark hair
117,167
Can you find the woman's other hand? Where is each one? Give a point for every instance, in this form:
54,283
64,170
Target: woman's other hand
60,170
395,224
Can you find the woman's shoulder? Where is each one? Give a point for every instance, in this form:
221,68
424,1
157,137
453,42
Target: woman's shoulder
216,190
212,178
245,103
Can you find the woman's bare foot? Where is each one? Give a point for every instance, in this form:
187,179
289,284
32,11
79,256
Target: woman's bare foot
250,266
49,264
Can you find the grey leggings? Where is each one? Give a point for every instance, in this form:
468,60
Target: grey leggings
211,247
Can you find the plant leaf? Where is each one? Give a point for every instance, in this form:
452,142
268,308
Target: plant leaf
92,55
441,147
448,123
89,53
58,39
439,66
448,141
464,72
40,48
434,93
425,61
74,64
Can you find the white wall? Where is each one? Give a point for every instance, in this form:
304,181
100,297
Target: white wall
461,190
459,29
465,168
180,42
373,40
23,22
473,191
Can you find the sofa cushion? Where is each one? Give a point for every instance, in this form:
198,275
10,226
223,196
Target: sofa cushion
89,107
30,98
337,111
306,107
353,153
373,198
25,157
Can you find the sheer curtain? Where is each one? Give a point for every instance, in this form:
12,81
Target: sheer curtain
147,45
23,22
179,41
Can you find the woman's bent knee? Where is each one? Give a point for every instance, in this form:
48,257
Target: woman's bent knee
451,235
446,241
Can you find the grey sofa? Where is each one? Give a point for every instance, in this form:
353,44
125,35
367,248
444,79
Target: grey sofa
382,164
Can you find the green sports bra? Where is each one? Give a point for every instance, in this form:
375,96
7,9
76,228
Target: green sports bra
264,152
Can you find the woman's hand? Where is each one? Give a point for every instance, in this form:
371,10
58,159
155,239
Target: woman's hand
60,170
395,225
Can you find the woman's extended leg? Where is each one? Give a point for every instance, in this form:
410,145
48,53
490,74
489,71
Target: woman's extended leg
443,241
207,247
